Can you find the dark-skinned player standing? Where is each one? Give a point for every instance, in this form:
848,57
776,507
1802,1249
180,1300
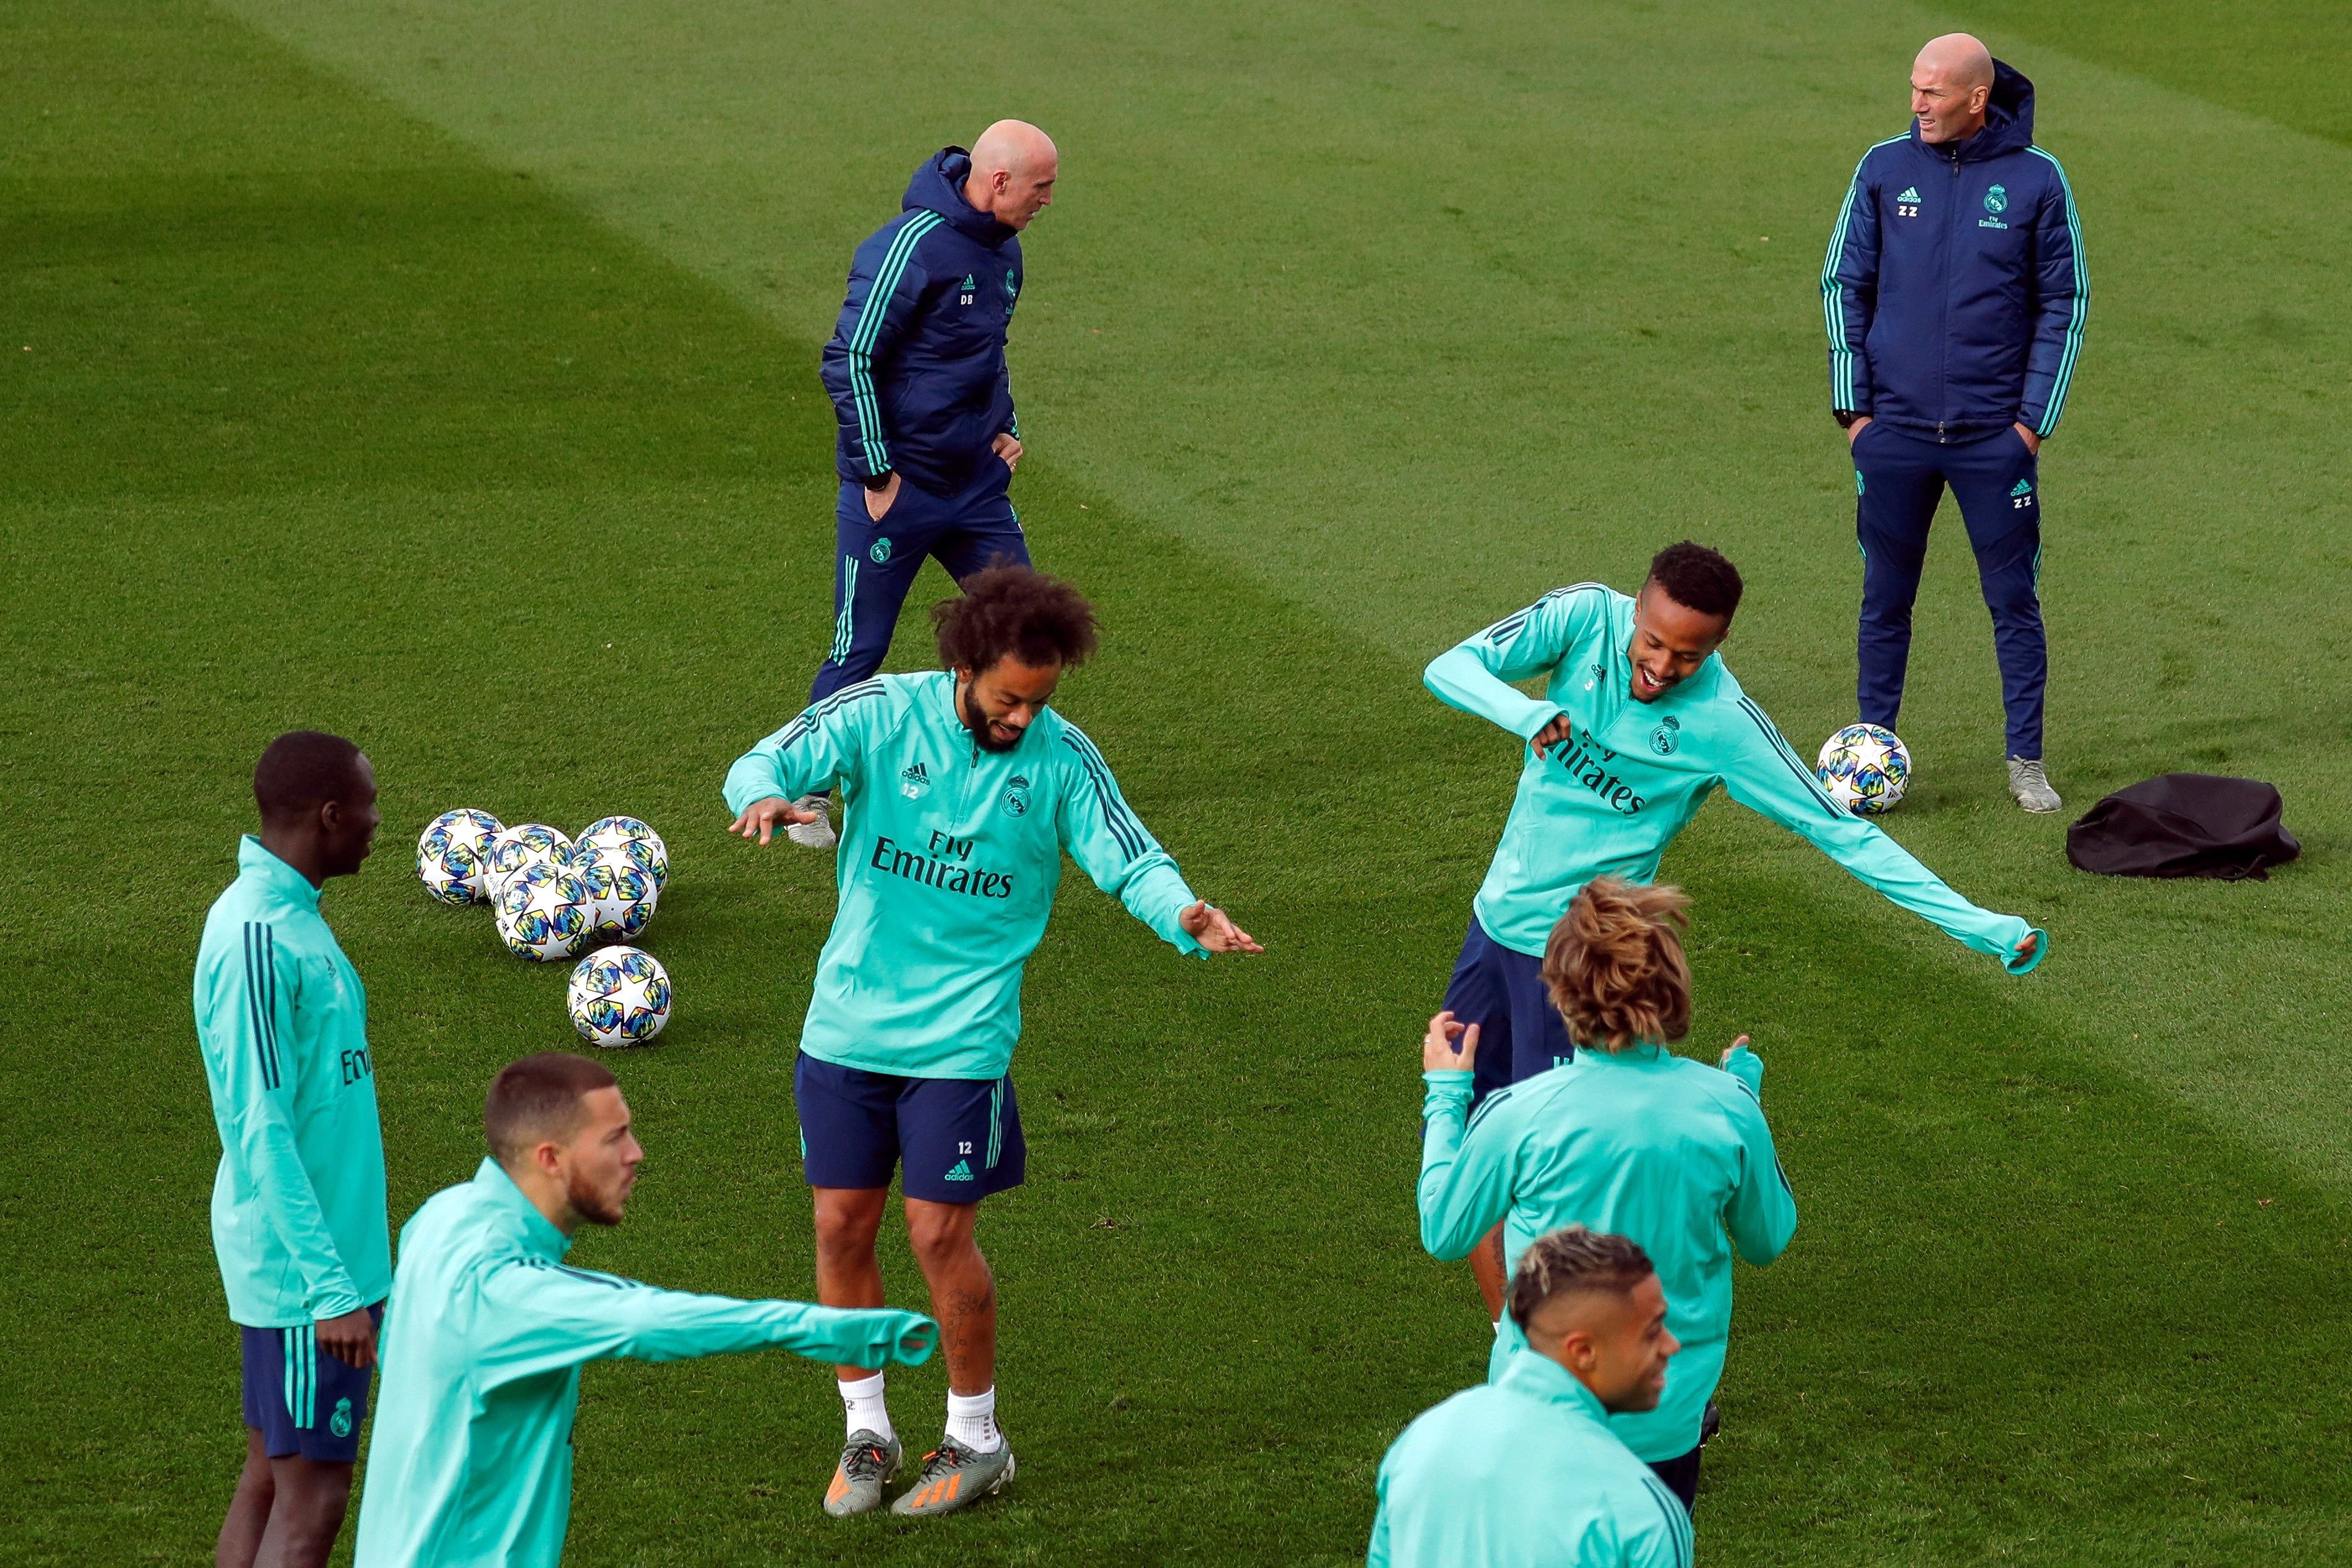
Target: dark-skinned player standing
298,1221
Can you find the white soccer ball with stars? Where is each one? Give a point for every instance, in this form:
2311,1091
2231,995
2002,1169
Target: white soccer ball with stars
1865,768
526,844
452,853
633,840
622,893
543,911
619,997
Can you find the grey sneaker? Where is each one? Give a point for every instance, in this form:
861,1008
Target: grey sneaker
956,1476
819,834
2031,785
868,1463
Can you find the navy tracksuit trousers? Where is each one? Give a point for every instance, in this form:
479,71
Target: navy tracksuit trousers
1899,479
875,562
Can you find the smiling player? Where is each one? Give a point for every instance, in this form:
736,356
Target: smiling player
1639,723
960,789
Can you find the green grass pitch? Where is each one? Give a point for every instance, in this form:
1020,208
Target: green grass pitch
443,372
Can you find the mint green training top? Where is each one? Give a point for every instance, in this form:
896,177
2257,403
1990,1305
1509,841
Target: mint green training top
1610,801
1639,1142
298,1221
1523,1472
948,859
470,1464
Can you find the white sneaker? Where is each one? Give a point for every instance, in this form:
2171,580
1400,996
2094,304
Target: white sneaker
819,834
2031,785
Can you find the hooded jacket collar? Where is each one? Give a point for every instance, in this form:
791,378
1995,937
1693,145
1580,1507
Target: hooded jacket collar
1532,1373
2008,121
498,1189
938,187
281,879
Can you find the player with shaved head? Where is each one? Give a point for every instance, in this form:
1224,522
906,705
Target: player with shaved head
1524,1468
929,440
297,1206
1955,295
489,1328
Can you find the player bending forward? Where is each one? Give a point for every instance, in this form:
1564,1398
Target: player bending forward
960,789
1526,1469
1639,723
488,1329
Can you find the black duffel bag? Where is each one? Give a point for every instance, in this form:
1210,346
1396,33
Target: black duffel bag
2184,824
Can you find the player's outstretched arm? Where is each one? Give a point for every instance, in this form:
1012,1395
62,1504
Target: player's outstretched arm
1465,1170
545,1316
761,818
1119,854
1762,1214
1765,776
1210,927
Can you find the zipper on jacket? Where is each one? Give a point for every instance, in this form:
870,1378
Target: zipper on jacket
1944,347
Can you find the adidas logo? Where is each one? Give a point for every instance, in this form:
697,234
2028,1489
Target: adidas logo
1910,193
968,284
915,782
2023,488
962,1171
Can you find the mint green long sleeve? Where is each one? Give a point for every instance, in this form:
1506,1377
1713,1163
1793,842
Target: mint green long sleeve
1640,1142
482,1344
1523,1471
949,860
1609,801
298,1208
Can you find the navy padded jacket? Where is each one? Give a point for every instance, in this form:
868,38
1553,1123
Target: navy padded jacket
916,367
1955,290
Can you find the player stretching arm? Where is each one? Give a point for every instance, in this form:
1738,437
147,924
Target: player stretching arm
959,789
1639,723
488,1329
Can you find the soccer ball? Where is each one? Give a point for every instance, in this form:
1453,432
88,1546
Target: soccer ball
450,853
1865,768
621,892
531,844
619,997
543,911
634,840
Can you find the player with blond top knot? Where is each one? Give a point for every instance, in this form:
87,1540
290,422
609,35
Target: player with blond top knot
1625,1137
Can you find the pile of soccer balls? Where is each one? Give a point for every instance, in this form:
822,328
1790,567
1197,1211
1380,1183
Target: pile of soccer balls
1865,768
555,896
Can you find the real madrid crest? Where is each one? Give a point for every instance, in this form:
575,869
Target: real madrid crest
1015,801
1666,737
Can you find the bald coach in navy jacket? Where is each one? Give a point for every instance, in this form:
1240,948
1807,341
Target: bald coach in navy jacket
1955,295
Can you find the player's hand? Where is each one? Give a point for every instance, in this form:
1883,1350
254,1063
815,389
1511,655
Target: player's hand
1206,924
350,1339
1725,1060
2032,442
763,817
1448,1047
1008,446
879,502
2027,948
1853,431
1559,732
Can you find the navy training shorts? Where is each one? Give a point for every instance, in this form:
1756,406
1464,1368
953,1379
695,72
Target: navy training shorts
1501,990
300,1398
959,1138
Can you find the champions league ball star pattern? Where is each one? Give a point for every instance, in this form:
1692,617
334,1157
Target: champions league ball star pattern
633,838
543,911
1865,768
619,997
621,891
451,852
531,844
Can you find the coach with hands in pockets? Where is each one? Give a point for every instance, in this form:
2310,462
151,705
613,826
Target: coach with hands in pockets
915,370
1955,295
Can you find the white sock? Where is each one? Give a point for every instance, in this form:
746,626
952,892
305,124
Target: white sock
971,1421
866,1411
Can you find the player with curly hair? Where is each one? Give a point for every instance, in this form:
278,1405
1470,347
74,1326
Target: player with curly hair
960,791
